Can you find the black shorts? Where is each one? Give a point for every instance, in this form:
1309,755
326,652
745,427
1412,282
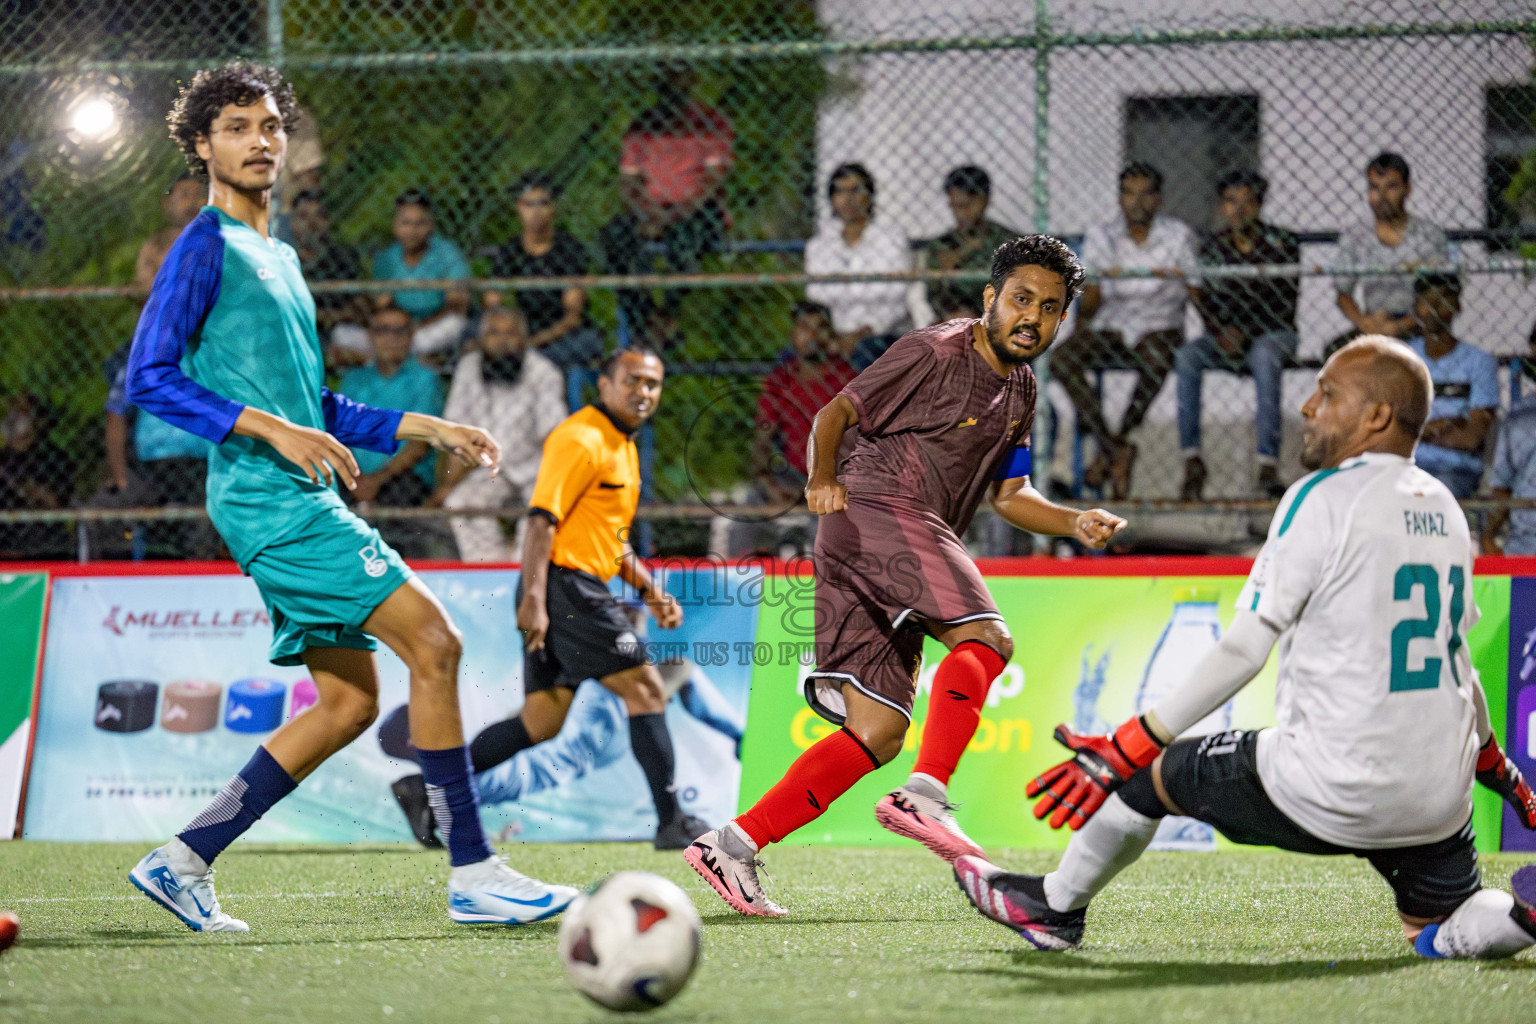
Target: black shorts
589,635
1216,779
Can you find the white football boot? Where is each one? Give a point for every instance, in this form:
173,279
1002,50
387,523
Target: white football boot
492,893
176,878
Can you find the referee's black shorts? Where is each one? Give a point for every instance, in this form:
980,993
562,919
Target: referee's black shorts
1216,780
589,635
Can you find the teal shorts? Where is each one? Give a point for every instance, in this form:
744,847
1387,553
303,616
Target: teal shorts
321,584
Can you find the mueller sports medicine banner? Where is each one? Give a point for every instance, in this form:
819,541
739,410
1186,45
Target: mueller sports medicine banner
156,689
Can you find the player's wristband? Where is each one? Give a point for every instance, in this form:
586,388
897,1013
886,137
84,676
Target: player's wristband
1137,743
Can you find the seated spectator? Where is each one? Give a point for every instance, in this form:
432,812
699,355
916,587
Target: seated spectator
867,315
394,380
1251,324
1514,468
341,319
420,253
1394,240
167,466
676,156
1127,323
35,474
557,317
793,392
182,201
970,244
1466,388
519,397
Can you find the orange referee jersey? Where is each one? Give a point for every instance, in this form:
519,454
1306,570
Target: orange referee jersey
589,483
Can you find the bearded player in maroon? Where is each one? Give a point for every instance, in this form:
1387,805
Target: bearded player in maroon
943,420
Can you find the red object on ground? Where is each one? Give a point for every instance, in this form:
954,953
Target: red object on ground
10,927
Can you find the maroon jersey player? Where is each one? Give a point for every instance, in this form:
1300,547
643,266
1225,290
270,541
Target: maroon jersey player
943,421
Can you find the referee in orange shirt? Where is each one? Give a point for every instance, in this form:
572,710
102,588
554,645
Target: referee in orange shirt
573,628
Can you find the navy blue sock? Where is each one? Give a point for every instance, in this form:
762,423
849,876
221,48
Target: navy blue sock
451,792
246,797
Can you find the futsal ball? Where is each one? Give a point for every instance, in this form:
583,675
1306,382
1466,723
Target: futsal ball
630,942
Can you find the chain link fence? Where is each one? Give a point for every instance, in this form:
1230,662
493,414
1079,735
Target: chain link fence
767,192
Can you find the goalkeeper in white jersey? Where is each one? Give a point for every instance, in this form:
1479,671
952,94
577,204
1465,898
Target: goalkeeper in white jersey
1365,582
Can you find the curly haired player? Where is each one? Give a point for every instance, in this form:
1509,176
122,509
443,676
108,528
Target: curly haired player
227,349
943,420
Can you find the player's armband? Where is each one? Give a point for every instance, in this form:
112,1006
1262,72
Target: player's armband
1018,463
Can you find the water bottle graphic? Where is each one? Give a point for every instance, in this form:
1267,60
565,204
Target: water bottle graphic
1192,630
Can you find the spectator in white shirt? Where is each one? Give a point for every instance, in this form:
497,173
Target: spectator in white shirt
867,315
518,396
1127,323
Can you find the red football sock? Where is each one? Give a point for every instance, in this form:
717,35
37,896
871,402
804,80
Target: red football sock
954,707
818,776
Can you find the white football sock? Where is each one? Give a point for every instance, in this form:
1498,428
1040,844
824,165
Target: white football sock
183,859
741,833
926,781
1100,850
1481,928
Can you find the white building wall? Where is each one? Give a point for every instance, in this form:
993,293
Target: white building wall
1326,108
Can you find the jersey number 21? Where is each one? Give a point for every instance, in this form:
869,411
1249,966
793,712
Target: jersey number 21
1408,578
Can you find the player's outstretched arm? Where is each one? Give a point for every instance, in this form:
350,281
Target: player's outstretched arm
471,445
1017,501
1075,789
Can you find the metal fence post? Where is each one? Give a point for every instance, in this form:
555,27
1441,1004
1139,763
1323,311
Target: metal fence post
275,32
1044,440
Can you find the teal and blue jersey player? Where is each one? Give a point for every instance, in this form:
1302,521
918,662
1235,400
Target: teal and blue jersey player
227,349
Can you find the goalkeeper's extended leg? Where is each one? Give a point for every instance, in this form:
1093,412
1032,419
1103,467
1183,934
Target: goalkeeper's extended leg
1489,924
1050,912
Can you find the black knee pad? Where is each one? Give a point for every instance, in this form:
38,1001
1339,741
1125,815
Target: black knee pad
1141,796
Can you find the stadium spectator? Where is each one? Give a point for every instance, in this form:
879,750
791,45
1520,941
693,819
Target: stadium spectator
558,328
168,466
1514,469
394,380
516,395
867,315
341,319
180,204
420,253
35,474
1127,323
1466,388
1250,324
1394,240
792,394
970,243
674,161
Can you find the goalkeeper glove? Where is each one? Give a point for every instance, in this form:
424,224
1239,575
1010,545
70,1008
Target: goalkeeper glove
1075,789
1496,771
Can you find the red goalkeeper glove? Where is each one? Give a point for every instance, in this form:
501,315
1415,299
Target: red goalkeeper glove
1076,789
1496,771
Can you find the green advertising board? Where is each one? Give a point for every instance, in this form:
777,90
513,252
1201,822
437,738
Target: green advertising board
1087,649
23,597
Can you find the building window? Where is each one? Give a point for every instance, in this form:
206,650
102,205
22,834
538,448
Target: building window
1510,128
1193,141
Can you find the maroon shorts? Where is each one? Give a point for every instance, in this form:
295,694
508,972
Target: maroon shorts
887,572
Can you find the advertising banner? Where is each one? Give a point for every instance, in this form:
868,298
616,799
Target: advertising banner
22,598
1090,651
157,689
1520,699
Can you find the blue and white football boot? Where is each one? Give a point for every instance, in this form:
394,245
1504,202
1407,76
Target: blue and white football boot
172,878
492,893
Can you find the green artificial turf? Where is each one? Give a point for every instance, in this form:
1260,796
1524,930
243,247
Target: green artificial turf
362,934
